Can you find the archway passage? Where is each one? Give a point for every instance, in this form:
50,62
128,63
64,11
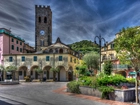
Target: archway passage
33,73
22,72
47,73
70,75
62,74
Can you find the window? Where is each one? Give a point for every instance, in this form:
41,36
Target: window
17,41
12,47
17,48
23,58
10,59
112,46
74,60
35,58
12,40
60,58
42,42
20,73
39,19
70,59
20,49
45,20
20,43
47,58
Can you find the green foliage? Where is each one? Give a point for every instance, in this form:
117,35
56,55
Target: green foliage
74,87
108,67
130,80
11,68
82,69
2,67
127,46
86,81
56,70
105,91
84,46
38,70
92,60
111,80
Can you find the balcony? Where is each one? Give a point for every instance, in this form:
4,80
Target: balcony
120,67
109,58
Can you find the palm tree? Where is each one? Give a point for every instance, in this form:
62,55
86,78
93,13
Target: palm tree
40,72
11,69
55,70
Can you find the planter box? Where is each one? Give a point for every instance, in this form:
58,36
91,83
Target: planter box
90,91
126,95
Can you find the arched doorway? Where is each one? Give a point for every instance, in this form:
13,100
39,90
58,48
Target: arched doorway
62,74
33,73
22,72
46,72
70,74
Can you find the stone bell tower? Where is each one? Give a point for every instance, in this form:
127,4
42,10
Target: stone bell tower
43,27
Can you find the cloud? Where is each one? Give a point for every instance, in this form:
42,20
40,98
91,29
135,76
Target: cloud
73,20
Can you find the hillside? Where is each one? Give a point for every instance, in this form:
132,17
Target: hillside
84,46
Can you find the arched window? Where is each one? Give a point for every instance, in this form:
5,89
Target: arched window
56,50
39,19
61,51
41,42
50,51
45,20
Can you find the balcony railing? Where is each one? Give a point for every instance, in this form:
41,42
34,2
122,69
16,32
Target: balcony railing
108,58
120,67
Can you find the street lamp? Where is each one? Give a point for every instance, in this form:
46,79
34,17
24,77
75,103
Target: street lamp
100,38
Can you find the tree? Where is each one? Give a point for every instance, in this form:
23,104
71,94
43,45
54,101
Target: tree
127,46
1,69
108,67
11,69
55,70
92,60
82,69
40,72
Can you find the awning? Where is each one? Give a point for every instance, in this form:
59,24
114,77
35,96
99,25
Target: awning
132,73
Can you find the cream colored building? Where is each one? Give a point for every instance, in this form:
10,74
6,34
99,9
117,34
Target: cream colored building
56,55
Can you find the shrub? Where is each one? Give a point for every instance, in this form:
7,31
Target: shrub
111,80
130,80
27,78
105,91
74,87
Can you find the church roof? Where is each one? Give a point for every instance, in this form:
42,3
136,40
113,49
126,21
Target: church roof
57,44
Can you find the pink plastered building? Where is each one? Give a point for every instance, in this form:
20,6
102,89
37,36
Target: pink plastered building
9,43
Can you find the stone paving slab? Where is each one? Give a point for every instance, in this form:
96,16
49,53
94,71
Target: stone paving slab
110,102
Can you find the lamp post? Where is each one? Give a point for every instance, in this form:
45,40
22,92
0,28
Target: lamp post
100,38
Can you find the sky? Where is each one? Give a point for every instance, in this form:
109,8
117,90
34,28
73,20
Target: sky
72,20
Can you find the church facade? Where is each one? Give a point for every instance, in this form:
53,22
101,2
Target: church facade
47,56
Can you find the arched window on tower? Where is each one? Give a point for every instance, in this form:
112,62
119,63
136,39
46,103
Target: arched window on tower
39,19
41,42
45,20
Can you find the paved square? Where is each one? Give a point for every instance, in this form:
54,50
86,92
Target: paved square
40,94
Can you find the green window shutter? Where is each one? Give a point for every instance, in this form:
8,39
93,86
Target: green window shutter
10,59
60,58
23,58
35,58
47,58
